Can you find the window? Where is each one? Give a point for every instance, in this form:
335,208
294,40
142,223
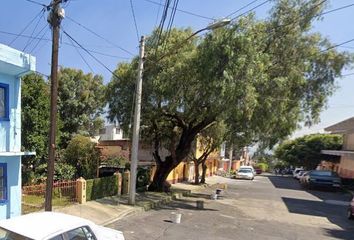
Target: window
4,102
117,130
3,182
82,233
59,237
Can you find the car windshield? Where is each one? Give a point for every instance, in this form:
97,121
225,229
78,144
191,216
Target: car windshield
247,170
9,235
324,173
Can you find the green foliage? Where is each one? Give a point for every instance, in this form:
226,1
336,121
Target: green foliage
101,187
263,166
142,177
82,154
306,151
80,102
261,78
62,172
116,162
35,118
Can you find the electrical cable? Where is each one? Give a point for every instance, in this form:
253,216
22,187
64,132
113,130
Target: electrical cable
88,52
65,43
37,3
240,9
134,19
158,13
39,40
82,57
25,28
37,36
99,36
336,9
34,29
182,11
254,8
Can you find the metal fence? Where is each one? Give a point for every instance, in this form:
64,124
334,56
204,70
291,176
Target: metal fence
33,196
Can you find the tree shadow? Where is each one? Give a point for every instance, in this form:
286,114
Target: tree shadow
334,213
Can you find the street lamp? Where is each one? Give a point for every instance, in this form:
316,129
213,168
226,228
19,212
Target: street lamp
215,25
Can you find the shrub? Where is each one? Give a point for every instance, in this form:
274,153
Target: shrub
263,166
101,187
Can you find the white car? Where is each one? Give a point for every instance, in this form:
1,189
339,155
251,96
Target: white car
54,226
248,167
296,171
245,173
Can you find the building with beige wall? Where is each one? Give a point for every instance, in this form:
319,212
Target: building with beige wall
345,167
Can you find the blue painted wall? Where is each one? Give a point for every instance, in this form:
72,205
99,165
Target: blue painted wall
13,65
12,207
10,131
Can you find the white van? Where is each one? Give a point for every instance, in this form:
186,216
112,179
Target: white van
248,167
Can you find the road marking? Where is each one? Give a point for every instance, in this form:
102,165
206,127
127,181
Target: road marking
227,216
336,202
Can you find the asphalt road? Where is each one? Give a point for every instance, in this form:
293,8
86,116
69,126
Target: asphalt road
270,207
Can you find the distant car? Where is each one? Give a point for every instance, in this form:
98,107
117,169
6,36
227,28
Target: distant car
248,167
321,178
54,226
245,173
296,171
351,210
258,171
299,174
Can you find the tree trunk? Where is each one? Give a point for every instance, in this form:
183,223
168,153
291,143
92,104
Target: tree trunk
159,181
196,172
204,167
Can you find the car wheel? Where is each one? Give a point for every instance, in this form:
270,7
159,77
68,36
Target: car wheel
350,215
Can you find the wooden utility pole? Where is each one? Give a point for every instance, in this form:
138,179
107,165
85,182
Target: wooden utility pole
136,125
54,19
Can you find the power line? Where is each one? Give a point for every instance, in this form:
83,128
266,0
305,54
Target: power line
183,11
336,9
82,57
34,29
99,36
240,9
337,45
37,3
134,19
88,52
64,43
254,8
39,40
25,28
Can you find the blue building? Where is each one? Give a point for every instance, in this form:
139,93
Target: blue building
13,65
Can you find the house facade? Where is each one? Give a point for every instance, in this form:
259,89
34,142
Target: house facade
13,65
345,167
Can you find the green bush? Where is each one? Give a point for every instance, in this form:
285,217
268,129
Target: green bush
263,166
101,187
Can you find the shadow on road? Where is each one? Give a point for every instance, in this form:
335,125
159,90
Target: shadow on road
334,214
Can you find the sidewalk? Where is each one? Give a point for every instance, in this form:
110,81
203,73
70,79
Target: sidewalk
107,210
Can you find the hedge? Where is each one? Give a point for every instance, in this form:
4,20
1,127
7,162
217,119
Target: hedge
101,187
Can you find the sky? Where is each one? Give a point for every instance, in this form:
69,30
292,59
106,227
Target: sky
113,20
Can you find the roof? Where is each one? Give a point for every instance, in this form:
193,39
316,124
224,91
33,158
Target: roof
43,224
342,127
14,62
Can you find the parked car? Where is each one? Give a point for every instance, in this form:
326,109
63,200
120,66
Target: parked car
54,226
245,173
248,167
351,210
258,171
321,178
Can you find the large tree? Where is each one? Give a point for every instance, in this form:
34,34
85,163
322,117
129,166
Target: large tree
35,119
306,151
260,77
80,103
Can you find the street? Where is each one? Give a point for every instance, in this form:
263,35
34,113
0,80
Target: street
270,207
